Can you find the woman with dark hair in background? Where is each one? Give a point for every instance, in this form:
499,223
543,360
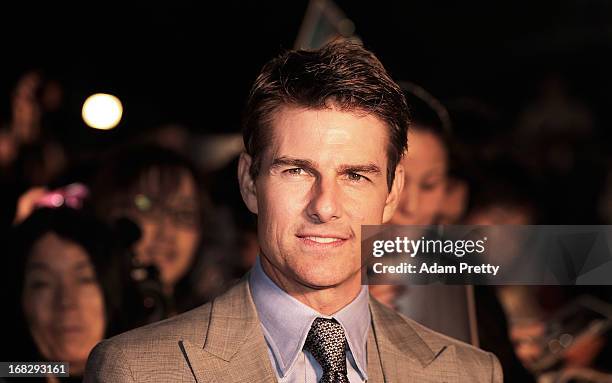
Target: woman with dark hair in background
426,162
161,192
65,290
430,197
426,165
425,180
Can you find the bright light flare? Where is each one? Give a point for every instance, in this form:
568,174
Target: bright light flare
102,111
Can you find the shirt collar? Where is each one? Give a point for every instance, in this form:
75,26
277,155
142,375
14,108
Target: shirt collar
285,330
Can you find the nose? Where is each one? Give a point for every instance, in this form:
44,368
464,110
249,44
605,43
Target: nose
324,203
164,229
66,296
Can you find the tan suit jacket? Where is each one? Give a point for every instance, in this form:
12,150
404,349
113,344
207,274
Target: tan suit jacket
222,342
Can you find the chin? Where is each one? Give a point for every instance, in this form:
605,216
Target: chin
72,354
324,275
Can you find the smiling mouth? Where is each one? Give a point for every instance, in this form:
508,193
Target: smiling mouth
321,241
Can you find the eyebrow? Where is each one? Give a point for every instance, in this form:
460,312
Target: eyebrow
83,265
37,266
43,266
343,169
368,169
290,161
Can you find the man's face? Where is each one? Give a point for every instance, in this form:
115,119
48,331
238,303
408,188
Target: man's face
322,176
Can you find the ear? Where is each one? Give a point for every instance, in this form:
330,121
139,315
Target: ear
247,183
394,194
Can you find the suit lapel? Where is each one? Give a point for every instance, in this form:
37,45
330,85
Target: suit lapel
405,356
234,349
375,372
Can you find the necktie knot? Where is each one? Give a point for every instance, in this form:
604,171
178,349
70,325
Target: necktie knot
327,344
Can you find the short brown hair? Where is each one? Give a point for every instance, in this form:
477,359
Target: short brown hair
342,73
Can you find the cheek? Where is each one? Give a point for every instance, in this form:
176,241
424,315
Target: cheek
432,199
365,206
279,192
38,308
279,203
187,241
93,310
147,234
270,228
39,316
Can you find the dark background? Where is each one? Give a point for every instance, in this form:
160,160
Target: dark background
193,62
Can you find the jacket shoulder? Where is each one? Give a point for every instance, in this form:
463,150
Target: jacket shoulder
190,326
469,356
411,337
149,353
436,340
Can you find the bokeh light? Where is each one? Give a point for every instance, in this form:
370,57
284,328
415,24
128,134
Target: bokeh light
102,111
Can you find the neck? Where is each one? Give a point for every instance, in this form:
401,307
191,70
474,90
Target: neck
77,367
325,300
168,289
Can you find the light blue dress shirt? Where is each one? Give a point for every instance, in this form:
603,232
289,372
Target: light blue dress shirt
286,321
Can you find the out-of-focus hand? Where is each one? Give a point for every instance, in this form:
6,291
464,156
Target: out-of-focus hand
27,202
526,338
584,351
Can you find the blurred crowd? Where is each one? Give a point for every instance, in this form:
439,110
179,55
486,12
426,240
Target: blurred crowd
96,243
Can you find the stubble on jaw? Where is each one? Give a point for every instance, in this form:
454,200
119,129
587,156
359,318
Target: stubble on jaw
326,300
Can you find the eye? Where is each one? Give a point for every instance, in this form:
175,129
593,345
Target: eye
38,284
86,280
186,217
355,177
429,185
295,171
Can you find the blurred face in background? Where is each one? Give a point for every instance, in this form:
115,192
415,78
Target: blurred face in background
500,214
425,179
63,301
169,220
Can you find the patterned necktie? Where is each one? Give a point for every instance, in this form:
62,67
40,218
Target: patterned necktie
327,343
